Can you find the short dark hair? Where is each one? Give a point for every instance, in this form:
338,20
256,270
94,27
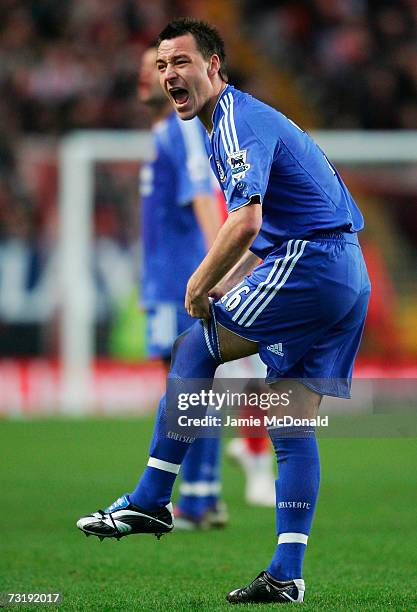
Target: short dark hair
207,38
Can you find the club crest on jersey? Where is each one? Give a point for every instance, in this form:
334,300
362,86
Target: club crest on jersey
237,161
222,175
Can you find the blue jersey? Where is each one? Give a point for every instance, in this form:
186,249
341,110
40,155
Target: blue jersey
173,245
256,150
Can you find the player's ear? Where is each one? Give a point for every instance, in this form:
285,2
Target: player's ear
214,65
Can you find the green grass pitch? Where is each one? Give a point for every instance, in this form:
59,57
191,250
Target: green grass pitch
362,553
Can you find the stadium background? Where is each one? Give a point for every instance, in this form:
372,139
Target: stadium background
70,66
64,66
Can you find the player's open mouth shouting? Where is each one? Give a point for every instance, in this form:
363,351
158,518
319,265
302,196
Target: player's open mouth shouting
179,95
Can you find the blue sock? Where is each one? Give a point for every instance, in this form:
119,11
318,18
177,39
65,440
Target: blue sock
195,355
200,484
297,489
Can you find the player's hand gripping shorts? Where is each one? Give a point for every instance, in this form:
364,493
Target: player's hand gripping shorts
306,306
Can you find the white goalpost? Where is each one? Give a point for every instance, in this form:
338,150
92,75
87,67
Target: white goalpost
78,153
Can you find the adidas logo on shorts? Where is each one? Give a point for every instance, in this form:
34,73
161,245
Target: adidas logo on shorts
276,348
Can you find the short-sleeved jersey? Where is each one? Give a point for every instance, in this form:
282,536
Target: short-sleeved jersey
256,150
173,245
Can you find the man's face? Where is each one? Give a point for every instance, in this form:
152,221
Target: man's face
149,89
183,75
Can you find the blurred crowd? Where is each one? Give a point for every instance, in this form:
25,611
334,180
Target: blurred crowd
72,64
355,60
65,65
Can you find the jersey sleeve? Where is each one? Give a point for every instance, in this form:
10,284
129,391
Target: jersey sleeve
246,160
193,170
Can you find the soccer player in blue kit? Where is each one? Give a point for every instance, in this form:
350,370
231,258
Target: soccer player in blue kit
288,280
180,215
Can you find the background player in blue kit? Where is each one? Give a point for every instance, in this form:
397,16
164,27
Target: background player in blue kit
303,308
180,220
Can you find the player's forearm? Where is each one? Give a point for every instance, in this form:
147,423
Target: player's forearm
207,214
244,266
231,244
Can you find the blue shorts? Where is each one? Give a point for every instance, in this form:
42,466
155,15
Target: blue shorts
306,306
164,323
